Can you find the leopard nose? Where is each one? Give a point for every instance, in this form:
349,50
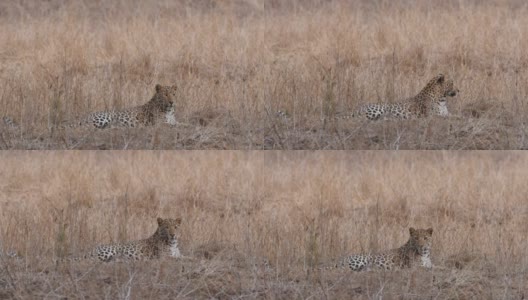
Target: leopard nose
452,93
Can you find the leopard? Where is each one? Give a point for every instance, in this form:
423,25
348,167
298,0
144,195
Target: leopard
416,251
9,122
282,114
9,253
430,101
160,109
163,243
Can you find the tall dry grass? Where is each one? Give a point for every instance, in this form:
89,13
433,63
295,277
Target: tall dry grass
239,61
331,59
63,59
299,210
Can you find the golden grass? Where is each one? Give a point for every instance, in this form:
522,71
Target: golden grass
296,209
81,57
239,61
333,58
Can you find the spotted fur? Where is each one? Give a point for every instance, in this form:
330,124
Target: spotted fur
163,243
431,100
417,251
8,254
282,114
9,122
160,109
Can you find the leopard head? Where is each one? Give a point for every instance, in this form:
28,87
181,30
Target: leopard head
432,99
164,98
434,89
421,239
449,89
167,228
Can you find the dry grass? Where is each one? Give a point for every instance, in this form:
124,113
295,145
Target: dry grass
238,61
333,58
297,210
79,57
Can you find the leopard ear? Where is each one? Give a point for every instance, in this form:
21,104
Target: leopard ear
160,221
178,221
412,231
440,78
158,87
430,231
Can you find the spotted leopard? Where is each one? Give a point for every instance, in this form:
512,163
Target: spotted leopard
9,253
417,251
431,100
160,109
163,243
9,122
